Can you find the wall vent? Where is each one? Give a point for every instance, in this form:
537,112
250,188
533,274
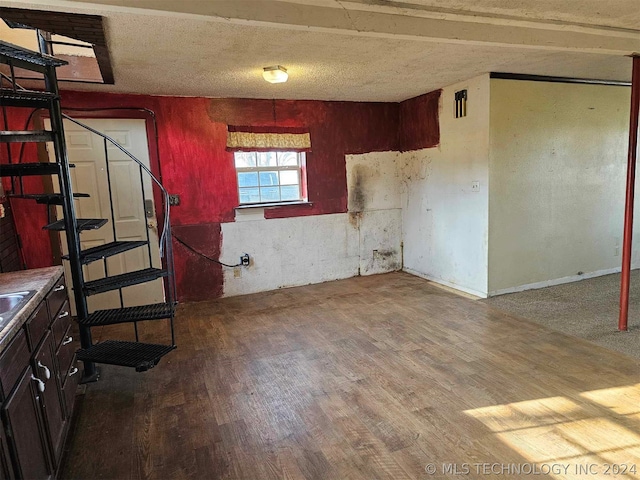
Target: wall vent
461,103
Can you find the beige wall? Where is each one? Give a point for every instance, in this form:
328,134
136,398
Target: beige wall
444,220
557,174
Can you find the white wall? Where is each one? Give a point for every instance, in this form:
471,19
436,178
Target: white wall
289,251
312,249
550,163
374,185
557,176
445,223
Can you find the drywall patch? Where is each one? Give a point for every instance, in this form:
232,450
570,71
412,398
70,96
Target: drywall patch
375,186
289,252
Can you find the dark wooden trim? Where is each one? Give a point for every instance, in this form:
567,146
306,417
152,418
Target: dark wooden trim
86,28
104,63
550,79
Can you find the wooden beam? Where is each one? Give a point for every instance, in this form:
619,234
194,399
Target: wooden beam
628,209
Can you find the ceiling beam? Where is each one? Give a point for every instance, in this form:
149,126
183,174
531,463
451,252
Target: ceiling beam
371,19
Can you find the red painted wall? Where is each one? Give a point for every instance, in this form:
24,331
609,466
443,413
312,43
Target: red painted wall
419,122
29,216
194,162
336,129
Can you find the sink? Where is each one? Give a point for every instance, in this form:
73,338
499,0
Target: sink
11,303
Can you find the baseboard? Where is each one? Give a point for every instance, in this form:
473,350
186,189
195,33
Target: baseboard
452,287
556,281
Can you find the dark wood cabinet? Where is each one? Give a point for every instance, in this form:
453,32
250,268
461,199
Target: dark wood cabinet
23,424
6,469
38,381
50,400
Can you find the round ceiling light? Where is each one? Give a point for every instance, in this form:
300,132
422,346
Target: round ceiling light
275,74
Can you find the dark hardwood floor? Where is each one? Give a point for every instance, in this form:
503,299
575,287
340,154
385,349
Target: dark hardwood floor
367,378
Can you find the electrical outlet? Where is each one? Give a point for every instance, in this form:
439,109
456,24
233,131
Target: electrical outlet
245,260
475,186
174,200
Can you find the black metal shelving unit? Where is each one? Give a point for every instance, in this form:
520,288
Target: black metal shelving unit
138,355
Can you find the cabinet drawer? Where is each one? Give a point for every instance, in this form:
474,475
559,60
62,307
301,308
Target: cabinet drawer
57,296
13,362
37,325
61,322
67,350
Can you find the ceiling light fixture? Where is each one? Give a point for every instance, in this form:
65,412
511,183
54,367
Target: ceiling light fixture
275,74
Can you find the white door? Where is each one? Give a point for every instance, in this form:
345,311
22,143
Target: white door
87,151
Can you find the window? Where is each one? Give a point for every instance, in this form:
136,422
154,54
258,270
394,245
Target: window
269,177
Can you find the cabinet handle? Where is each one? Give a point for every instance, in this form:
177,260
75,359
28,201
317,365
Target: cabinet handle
47,372
59,288
41,385
73,371
68,340
63,314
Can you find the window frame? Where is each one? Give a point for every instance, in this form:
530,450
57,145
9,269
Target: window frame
300,168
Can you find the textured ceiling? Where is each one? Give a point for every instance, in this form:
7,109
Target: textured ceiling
369,50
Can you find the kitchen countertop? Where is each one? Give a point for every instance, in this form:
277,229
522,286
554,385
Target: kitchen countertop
39,279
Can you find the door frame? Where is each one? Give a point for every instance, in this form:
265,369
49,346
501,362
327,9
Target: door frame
153,147
151,127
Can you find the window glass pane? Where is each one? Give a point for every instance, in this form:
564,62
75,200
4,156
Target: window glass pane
268,178
245,159
247,179
290,192
249,195
287,159
267,159
270,194
289,177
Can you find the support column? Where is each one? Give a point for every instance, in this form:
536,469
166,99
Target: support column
628,209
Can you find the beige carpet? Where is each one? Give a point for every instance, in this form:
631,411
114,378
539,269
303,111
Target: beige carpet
587,309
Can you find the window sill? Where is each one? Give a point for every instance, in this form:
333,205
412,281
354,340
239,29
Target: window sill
271,205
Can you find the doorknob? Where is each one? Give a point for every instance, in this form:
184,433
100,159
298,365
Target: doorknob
152,223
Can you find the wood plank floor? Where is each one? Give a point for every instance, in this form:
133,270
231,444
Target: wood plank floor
366,378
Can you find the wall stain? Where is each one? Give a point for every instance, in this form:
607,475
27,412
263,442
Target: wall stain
357,197
354,219
386,260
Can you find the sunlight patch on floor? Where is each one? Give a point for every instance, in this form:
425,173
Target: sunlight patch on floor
594,435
